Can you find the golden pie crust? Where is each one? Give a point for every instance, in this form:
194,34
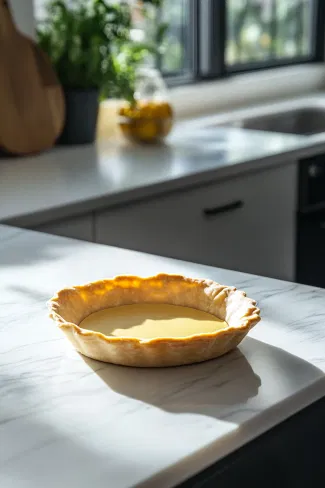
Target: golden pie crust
71,305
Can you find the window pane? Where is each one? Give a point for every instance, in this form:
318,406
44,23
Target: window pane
294,23
262,30
177,57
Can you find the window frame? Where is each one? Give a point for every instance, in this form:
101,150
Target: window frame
208,31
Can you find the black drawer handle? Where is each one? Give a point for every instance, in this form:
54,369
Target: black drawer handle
229,207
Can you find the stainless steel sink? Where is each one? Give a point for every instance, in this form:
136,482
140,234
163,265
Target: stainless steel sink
301,121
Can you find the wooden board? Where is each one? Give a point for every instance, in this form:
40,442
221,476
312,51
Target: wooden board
31,98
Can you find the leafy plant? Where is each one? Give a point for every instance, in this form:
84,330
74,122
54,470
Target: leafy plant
89,43
125,64
80,37
133,54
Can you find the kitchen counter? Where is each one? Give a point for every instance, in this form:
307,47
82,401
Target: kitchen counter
74,180
66,420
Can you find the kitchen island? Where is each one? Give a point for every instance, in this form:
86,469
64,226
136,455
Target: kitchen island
68,421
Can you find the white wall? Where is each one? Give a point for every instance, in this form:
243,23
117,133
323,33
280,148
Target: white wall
247,89
23,14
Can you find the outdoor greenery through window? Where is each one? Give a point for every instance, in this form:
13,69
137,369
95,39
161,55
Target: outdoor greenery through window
261,30
177,56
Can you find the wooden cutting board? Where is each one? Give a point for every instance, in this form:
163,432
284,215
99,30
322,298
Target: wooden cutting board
32,107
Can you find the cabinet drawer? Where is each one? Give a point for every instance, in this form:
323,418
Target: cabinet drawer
80,227
245,224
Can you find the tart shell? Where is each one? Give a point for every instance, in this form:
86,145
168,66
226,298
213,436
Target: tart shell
71,305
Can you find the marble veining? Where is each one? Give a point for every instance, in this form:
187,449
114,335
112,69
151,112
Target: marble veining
66,420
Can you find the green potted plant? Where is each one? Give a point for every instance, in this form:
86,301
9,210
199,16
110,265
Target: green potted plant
80,38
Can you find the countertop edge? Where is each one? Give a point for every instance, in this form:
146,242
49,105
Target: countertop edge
199,461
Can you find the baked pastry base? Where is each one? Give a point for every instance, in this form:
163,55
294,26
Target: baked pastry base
71,305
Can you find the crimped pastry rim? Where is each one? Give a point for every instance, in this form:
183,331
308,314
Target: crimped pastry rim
245,323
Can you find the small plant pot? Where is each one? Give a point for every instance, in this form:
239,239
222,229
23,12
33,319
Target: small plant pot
81,116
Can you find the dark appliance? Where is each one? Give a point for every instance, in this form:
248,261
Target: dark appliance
310,256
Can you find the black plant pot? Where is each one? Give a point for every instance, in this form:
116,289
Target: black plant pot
81,116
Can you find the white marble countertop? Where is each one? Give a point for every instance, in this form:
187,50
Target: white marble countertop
68,181
66,421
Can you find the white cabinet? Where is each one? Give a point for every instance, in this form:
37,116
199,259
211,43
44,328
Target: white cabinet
246,224
80,227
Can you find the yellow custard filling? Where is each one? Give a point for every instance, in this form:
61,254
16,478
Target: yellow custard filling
152,320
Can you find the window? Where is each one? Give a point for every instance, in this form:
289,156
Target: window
269,30
213,38
242,35
219,37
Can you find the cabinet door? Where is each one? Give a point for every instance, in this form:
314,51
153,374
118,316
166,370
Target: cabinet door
246,224
80,227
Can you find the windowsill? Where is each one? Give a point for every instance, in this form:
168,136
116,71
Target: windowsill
245,89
